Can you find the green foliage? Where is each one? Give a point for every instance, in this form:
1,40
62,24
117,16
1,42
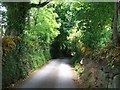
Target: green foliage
39,38
8,43
92,29
64,28
78,68
66,18
86,25
34,48
16,15
95,25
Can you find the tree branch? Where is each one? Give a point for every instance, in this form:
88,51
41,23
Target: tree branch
40,4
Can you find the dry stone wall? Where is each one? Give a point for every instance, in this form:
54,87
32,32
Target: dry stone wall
99,75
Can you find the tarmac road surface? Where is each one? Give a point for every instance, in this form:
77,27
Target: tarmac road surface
57,74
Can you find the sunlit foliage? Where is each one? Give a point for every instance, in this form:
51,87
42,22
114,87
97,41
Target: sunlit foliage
32,36
41,34
33,47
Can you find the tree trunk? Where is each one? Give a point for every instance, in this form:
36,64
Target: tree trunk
16,16
116,37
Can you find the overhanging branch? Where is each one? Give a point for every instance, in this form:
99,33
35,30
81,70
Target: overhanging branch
40,4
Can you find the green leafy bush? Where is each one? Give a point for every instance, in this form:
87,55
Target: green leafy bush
38,39
34,50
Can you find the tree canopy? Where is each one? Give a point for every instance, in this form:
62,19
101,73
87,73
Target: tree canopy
36,32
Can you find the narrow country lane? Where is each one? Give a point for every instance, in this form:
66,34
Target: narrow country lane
57,74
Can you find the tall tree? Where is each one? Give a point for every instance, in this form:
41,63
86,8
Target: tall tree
116,36
16,16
